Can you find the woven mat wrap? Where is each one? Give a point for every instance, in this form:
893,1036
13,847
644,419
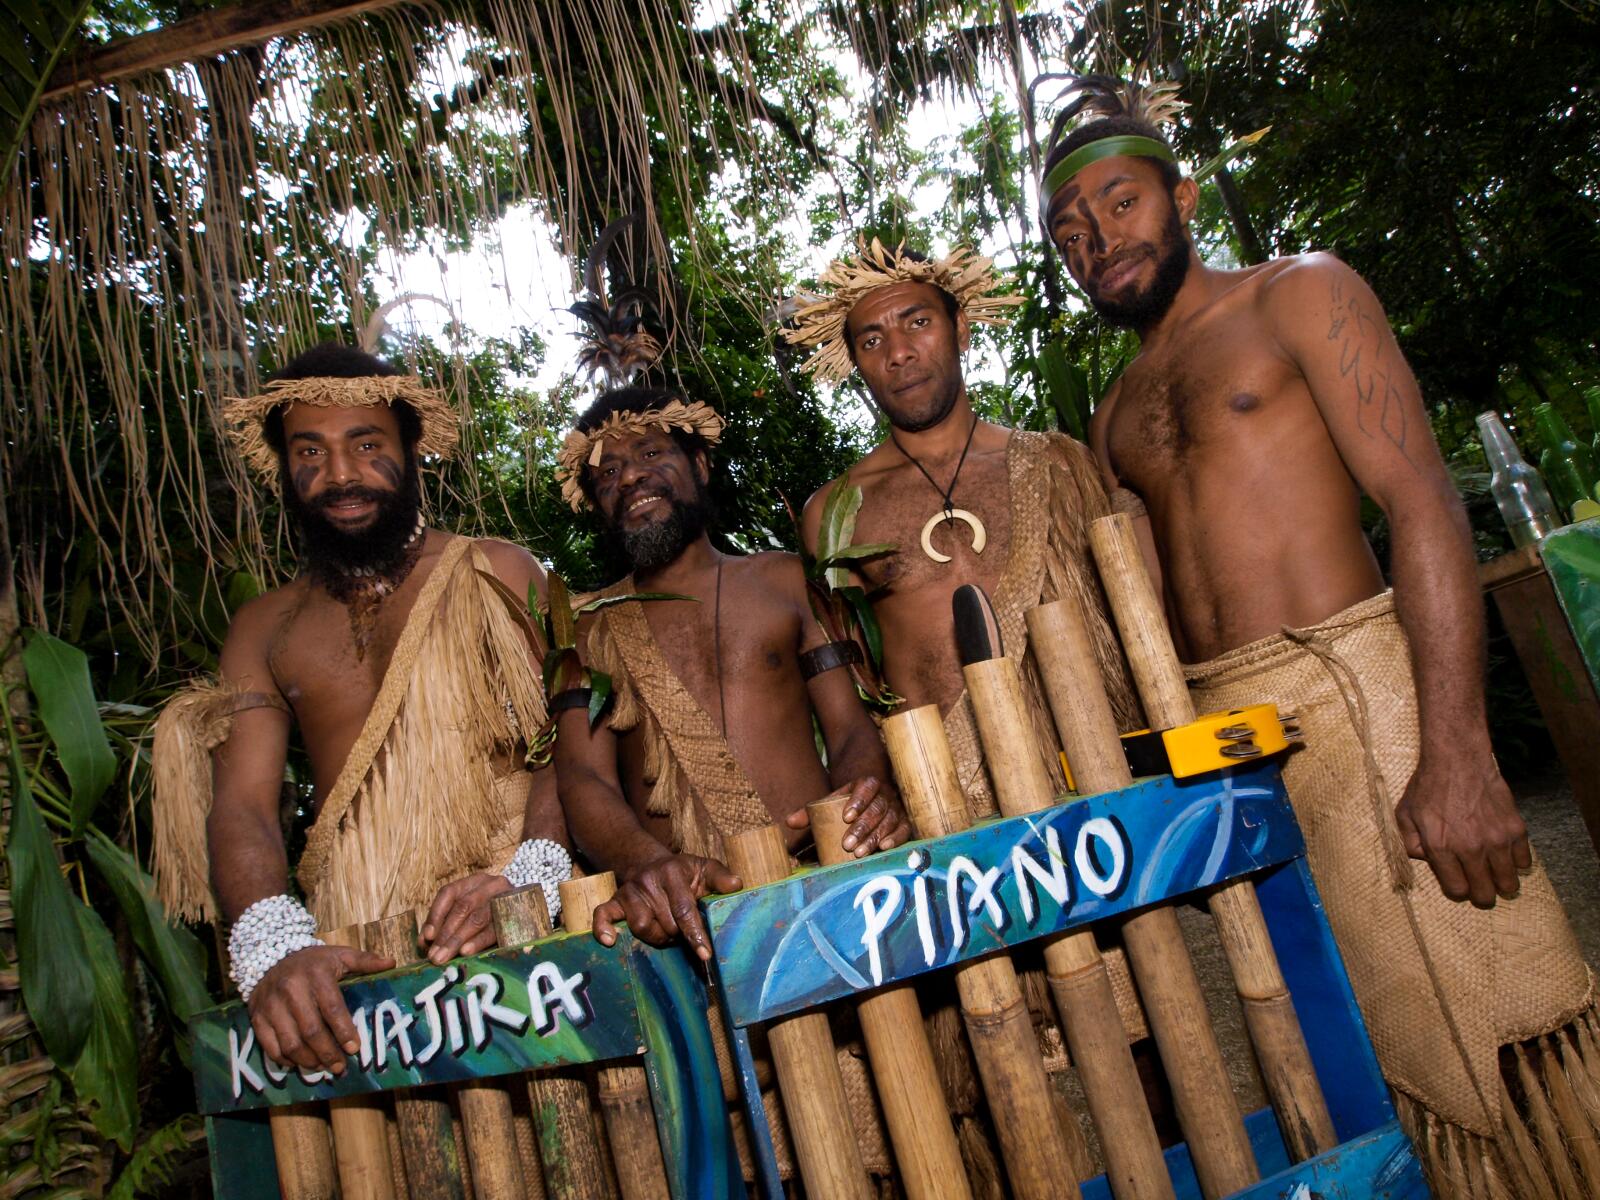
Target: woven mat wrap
1055,494
1442,985
692,774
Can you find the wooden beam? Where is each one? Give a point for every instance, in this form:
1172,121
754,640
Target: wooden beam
204,36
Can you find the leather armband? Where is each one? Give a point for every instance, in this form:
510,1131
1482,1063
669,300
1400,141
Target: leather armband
828,657
571,698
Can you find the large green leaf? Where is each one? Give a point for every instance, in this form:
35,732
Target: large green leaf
176,955
58,674
837,528
105,1073
1067,386
51,955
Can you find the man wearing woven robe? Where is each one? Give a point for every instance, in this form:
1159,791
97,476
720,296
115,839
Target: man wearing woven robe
939,477
1262,404
411,681
709,731
904,322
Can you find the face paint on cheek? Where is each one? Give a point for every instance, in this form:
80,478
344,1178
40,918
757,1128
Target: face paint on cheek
388,470
1096,240
304,477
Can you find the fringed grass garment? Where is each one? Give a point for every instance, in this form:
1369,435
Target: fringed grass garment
420,799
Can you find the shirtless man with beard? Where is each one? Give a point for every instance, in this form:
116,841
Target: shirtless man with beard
1262,404
446,797
710,727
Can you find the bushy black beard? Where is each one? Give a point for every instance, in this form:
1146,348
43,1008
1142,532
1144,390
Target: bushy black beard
1143,309
658,543
334,556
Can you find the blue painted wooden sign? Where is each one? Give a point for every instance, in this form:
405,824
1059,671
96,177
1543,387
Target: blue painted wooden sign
821,935
507,1010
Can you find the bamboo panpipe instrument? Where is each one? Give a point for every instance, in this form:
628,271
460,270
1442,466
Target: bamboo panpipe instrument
624,1092
422,1115
1174,1003
1135,1168
1289,1077
569,1147
803,1055
361,1126
1041,1162
903,1070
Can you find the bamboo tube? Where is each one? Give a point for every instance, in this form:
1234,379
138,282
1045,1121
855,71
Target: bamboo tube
803,1054
903,1071
568,1147
1287,1073
360,1133
630,1119
304,1153
1040,1160
422,1114
1174,1002
1077,974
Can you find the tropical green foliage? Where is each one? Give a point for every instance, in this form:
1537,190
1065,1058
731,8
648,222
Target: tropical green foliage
1449,150
32,42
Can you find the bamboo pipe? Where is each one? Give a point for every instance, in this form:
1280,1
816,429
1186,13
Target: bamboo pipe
1135,1168
1037,1153
569,1147
1174,1002
803,1054
624,1092
422,1114
907,1079
360,1126
303,1150
1287,1072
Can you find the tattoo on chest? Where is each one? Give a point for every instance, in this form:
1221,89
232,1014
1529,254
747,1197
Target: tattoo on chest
1369,361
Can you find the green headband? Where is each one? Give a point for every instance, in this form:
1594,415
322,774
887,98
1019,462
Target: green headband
1108,147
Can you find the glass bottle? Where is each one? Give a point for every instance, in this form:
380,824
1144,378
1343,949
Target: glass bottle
1525,505
1566,464
1591,397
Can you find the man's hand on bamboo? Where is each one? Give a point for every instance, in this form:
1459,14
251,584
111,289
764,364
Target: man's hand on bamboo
660,900
298,1013
459,922
875,817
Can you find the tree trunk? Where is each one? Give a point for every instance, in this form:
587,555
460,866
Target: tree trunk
1244,230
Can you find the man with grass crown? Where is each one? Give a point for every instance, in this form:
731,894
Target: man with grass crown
716,671
960,499
1278,391
415,690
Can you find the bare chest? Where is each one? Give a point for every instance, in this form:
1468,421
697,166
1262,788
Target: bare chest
329,658
905,510
1199,401
731,654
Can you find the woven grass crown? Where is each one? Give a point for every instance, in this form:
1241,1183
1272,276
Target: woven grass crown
246,416
820,318
583,448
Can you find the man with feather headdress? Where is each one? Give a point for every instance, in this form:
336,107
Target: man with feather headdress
413,685
1263,403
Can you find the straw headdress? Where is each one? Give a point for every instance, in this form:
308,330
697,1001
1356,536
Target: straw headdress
583,447
820,317
246,416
